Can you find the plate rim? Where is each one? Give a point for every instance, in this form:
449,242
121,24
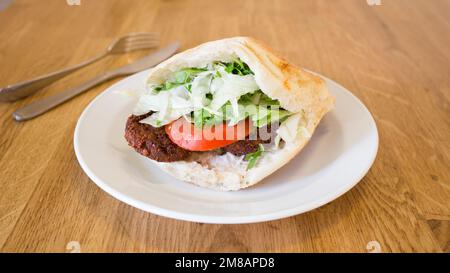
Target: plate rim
199,218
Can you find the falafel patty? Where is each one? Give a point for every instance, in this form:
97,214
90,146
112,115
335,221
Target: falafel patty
243,147
247,146
154,143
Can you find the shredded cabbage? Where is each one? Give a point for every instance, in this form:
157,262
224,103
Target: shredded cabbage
168,106
292,127
230,87
214,94
198,91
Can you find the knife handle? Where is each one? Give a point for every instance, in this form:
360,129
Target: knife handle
43,105
27,88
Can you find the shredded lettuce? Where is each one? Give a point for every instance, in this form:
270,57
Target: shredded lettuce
168,106
229,88
292,127
266,116
203,117
252,158
220,92
181,77
237,67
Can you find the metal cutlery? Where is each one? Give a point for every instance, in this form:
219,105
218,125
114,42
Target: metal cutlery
130,42
39,107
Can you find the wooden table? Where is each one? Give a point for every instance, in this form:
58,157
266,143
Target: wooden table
395,57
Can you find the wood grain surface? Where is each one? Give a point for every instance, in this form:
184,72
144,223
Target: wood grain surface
395,57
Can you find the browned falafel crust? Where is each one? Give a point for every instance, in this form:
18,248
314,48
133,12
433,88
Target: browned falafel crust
154,143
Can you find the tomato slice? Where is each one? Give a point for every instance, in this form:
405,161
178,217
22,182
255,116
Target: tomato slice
187,136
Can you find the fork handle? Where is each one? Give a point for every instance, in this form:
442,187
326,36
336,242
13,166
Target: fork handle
43,105
26,88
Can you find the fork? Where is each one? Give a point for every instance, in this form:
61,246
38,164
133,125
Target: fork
127,43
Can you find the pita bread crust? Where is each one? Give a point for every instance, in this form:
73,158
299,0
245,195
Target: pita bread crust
204,177
297,90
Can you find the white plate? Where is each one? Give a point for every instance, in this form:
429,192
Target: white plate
339,154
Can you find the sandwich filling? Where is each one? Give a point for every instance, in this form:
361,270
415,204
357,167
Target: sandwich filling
216,109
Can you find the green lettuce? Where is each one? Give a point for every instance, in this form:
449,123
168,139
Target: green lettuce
181,77
252,158
220,92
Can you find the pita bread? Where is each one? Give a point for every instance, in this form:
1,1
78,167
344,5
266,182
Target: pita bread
297,91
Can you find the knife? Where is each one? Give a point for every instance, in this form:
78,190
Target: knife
39,107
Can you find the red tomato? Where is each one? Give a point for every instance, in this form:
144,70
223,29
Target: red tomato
187,136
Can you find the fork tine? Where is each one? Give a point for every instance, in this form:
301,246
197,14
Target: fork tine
127,43
136,36
140,39
139,45
135,41
142,33
139,35
145,46
130,44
